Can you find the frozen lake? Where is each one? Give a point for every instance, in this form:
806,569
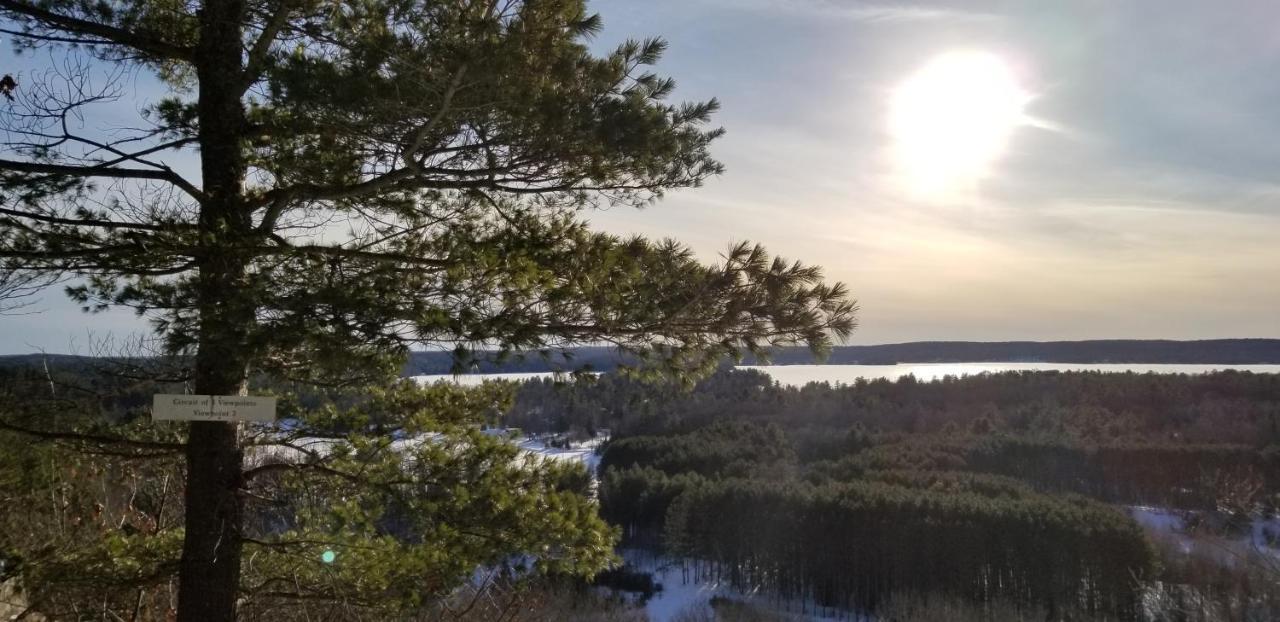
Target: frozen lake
802,374
798,375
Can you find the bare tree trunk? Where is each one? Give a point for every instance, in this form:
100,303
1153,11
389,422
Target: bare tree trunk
209,576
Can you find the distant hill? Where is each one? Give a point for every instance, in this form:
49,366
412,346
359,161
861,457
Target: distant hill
1212,351
1208,352
59,361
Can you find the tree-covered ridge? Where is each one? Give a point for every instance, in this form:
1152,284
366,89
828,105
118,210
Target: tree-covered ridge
991,489
721,450
1228,407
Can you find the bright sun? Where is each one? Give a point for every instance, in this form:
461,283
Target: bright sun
952,119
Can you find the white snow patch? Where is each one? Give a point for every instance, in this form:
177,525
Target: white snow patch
1158,519
581,452
299,450
1171,525
471,380
683,590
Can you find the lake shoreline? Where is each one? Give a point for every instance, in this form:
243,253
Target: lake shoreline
800,375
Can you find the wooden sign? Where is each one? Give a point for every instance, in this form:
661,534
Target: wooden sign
213,408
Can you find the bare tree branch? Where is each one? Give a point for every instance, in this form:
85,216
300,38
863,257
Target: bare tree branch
83,222
17,287
50,38
102,171
377,256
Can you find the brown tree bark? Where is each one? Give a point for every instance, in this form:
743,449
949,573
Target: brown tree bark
209,575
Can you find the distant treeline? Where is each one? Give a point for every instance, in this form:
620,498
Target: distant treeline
1090,408
1208,352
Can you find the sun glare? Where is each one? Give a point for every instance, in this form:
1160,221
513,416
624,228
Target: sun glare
951,120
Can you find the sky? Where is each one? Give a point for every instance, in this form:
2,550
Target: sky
1113,165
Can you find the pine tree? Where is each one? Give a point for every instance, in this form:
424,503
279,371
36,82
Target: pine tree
368,176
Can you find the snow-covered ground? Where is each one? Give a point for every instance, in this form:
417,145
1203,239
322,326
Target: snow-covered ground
684,591
681,590
1262,536
1157,519
300,449
583,452
677,594
471,380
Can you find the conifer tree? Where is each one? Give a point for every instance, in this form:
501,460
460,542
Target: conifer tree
327,183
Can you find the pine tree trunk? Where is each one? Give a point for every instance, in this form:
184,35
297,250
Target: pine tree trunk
209,575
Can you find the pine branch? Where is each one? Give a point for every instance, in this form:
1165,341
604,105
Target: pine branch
347,253
410,179
258,53
94,439
50,38
107,34
102,170
446,102
136,156
82,222
295,467
117,249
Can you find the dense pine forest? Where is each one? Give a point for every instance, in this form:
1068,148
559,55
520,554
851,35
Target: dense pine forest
1005,489
1006,496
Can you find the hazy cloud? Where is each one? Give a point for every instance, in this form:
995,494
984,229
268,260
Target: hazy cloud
861,11
1143,202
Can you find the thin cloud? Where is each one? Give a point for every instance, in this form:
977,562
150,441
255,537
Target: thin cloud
858,11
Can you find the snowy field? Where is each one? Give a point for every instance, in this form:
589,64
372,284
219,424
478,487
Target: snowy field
584,452
471,380
303,448
1261,536
683,592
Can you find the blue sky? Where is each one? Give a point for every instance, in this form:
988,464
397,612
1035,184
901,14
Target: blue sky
1138,199
1143,205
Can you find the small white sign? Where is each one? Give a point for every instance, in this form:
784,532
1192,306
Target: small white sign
213,408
